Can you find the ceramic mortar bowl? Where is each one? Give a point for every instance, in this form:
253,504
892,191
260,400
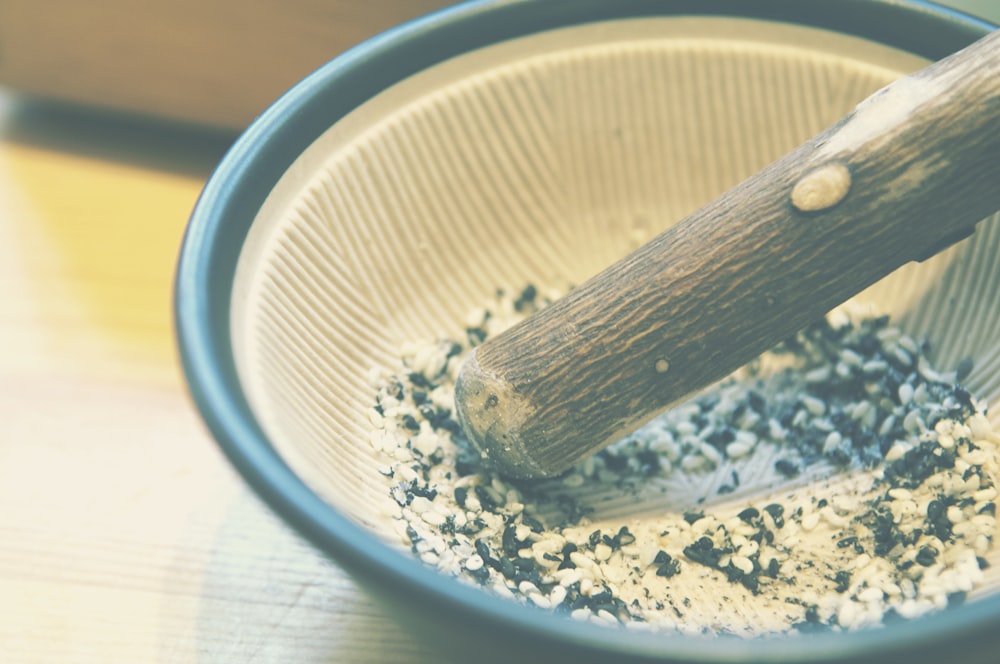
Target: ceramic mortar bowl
503,143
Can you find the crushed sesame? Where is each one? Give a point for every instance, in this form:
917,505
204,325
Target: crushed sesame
836,483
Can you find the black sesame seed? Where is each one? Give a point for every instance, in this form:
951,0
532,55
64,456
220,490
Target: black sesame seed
509,541
475,335
786,467
474,526
624,537
751,582
531,522
400,493
485,499
483,549
720,438
615,462
481,574
395,390
420,380
966,407
692,517
956,599
506,567
703,551
567,564
937,520
410,422
926,556
451,426
773,568
526,298
777,511
668,569
842,579
963,368
423,491
465,468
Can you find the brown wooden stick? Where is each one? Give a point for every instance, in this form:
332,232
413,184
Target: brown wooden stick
911,170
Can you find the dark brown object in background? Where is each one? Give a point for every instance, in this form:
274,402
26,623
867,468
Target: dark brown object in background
217,63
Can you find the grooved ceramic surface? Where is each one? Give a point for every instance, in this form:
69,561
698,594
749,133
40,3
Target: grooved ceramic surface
540,161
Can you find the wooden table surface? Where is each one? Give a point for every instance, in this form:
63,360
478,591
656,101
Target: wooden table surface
124,534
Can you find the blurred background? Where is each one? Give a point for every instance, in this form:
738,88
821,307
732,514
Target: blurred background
215,64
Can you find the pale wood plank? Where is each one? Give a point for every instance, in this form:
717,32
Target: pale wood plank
218,63
124,534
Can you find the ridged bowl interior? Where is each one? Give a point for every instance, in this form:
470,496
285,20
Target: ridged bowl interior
541,161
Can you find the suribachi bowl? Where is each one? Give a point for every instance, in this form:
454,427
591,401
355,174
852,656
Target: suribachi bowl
502,143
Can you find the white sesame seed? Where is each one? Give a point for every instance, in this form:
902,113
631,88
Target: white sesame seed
810,521
711,454
897,452
874,367
833,518
420,504
602,552
869,595
913,422
692,463
985,495
737,450
955,514
813,405
743,564
817,375
607,617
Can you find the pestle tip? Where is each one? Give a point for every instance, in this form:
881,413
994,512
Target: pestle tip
490,413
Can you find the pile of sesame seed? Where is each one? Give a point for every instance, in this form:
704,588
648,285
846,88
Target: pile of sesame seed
836,483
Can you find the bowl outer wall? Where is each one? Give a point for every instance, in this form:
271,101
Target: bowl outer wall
466,620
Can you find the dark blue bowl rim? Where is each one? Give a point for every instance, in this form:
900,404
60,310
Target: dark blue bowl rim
235,191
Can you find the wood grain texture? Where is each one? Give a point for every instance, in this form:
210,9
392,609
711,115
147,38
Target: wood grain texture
124,535
921,158
216,63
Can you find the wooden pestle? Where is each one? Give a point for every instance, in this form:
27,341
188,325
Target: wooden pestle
909,172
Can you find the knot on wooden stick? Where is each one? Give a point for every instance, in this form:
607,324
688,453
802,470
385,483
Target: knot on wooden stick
821,188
